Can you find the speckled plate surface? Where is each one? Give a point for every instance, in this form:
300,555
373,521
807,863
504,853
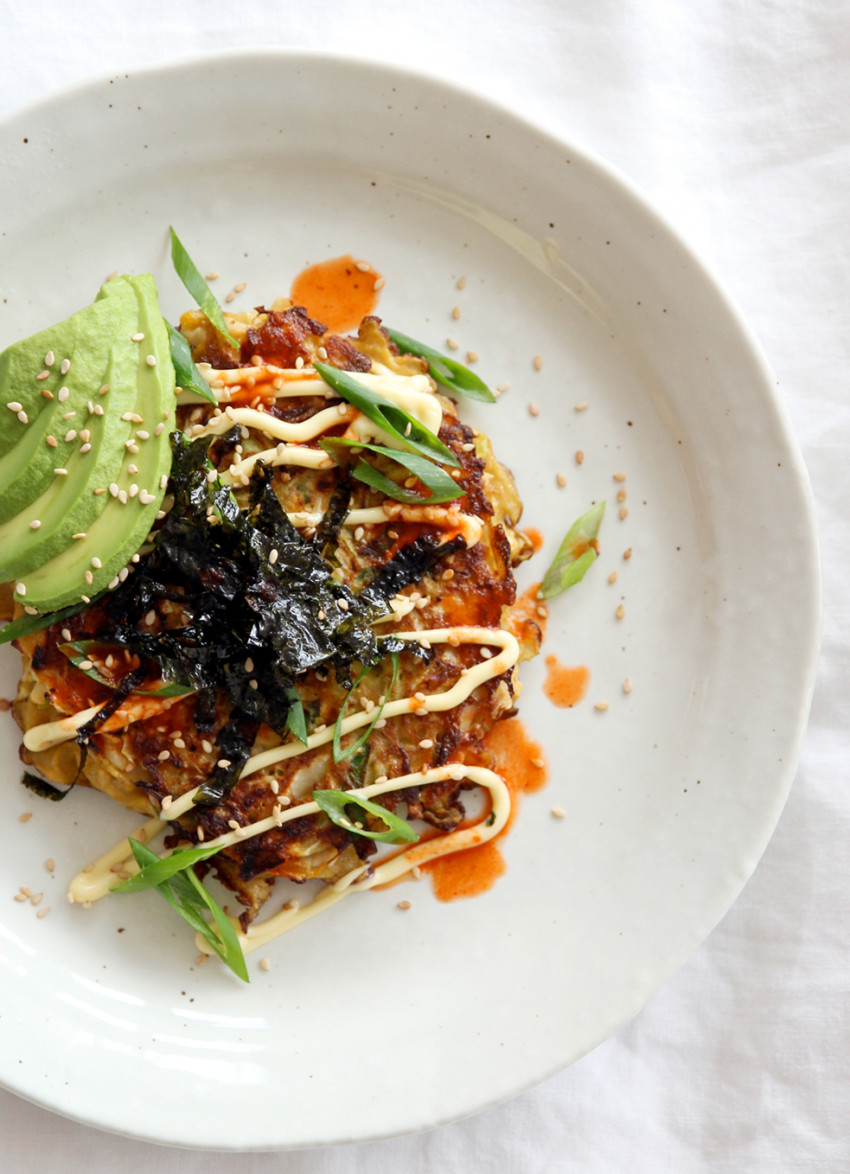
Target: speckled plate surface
267,162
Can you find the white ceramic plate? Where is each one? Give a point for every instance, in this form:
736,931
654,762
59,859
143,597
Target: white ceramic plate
372,1022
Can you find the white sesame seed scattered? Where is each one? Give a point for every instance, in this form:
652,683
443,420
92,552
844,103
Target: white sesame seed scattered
533,410
62,394
164,755
42,913
122,496
89,578
213,275
601,706
452,344
49,359
98,410
25,817
150,360
624,512
178,743
65,366
69,415
620,612
561,480
21,589
405,905
61,472
158,431
472,356
621,495
122,575
581,407
342,604
378,285
85,598
85,665
486,653
265,964
363,266
224,763
426,744
299,363
538,363
103,390
456,313
558,812
503,387
14,406
231,297
142,435
134,489
23,417
31,611
96,563
137,337
240,285
34,524
579,457
273,556
70,435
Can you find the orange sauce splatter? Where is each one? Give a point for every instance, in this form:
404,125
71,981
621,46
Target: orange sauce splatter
516,757
336,292
534,536
565,686
525,616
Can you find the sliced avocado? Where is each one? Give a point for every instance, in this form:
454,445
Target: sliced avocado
28,468
127,510
70,503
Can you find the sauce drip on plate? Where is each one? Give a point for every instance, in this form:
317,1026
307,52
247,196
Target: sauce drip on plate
337,292
565,686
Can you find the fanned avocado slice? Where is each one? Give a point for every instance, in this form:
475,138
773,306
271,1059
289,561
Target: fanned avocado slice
53,407
126,510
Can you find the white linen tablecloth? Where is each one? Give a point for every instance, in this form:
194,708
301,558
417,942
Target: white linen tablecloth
732,115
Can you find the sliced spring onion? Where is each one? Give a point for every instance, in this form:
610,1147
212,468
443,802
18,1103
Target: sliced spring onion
388,416
296,722
443,369
25,625
334,803
190,275
185,893
575,554
442,486
79,653
339,754
187,374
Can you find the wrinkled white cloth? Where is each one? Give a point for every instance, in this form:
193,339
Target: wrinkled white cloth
732,115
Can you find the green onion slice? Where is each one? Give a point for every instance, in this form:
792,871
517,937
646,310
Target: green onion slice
455,376
25,625
575,554
339,754
190,275
80,651
187,374
389,417
185,893
442,486
334,804
296,722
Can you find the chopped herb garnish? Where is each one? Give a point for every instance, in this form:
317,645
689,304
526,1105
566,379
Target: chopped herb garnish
80,653
444,370
339,754
182,890
389,417
442,486
187,374
575,554
190,275
334,804
25,625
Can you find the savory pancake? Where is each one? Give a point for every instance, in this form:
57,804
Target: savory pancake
281,594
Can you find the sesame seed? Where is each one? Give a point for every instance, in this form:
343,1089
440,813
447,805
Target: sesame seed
178,743
621,495
627,554
26,817
620,612
19,897
49,359
42,913
96,563
538,763
561,480
342,604
538,362
405,905
36,898
84,448
503,387
619,476
213,275
65,366
456,313
137,337
23,417
70,435
322,353
601,706
627,685
164,755
14,406
472,356
379,285
21,589
426,744
363,266
46,393
533,410
34,524
582,407
273,556
50,864
31,611
452,344
122,575
122,496
69,415
103,390
89,578
558,812
265,964
486,653
146,498
134,489
624,512
62,394
87,599
150,360
224,763
167,800
468,447
299,363
579,457
200,834
240,285
97,410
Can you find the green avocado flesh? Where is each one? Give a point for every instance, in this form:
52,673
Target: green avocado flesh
65,536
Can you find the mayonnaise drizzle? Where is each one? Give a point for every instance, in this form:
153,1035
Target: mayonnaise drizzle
99,878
